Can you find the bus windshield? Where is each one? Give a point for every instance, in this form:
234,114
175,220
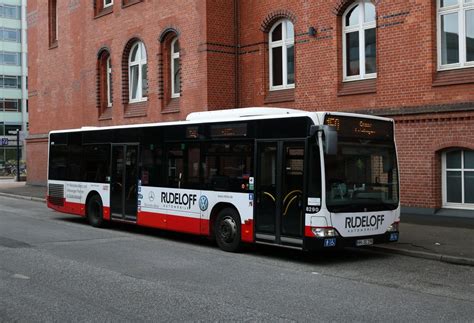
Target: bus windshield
362,176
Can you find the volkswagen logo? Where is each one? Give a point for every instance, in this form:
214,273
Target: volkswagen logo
203,203
151,196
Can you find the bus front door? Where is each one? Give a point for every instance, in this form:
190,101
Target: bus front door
279,192
124,182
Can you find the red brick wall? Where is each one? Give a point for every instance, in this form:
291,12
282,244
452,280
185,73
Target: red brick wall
406,56
63,80
36,159
421,141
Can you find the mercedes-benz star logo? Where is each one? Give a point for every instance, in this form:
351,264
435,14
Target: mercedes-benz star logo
151,196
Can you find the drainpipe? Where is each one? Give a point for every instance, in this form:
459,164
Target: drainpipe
237,49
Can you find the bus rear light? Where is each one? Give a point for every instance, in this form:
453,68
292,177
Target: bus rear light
324,232
393,227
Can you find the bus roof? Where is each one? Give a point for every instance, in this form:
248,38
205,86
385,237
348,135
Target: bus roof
233,115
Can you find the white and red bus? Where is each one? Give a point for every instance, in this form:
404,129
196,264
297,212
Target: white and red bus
285,177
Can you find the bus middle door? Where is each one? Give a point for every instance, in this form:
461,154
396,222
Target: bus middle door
279,192
124,182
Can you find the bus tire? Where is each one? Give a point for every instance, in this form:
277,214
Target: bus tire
227,230
95,212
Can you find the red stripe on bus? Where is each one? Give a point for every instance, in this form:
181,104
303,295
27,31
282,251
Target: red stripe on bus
247,231
152,220
159,220
106,213
171,222
187,224
68,207
76,209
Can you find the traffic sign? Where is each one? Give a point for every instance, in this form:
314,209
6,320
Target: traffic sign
4,141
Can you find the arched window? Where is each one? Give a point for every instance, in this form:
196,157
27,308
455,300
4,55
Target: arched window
137,73
455,33
105,80
359,41
458,178
175,69
108,67
108,3
282,55
53,22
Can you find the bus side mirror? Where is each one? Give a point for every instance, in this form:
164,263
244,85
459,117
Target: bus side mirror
330,140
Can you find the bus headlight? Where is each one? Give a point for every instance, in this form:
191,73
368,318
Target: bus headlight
393,227
324,232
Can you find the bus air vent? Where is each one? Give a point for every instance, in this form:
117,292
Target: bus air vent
56,194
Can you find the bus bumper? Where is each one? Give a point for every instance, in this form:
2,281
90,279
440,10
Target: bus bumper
352,242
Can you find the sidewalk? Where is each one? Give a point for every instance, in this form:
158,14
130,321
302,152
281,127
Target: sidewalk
439,238
8,187
434,237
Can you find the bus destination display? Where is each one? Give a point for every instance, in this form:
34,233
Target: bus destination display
229,130
360,128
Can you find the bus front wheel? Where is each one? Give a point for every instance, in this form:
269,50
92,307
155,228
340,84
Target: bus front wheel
227,230
94,212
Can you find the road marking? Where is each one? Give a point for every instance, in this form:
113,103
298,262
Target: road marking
19,276
315,273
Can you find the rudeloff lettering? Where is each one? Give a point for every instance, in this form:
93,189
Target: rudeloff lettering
366,221
179,199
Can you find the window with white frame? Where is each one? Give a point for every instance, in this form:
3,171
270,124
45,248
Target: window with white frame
455,34
137,73
175,69
282,55
458,178
109,81
359,41
108,3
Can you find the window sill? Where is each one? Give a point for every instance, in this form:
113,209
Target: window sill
358,87
129,3
104,12
279,96
106,114
454,77
172,107
137,109
53,45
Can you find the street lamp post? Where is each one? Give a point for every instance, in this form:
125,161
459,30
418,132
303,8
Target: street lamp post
17,155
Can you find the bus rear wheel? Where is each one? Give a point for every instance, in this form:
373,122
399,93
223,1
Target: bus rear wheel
94,212
227,230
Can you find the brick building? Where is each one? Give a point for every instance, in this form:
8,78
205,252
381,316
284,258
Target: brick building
109,62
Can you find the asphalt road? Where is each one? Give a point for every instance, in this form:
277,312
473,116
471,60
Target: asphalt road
54,267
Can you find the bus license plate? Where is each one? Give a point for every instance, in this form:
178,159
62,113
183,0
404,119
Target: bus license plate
364,242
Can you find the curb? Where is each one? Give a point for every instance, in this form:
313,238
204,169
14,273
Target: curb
425,255
22,197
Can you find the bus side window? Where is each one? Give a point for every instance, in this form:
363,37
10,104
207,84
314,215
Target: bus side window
175,165
183,165
152,166
57,162
74,157
227,166
96,163
58,157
